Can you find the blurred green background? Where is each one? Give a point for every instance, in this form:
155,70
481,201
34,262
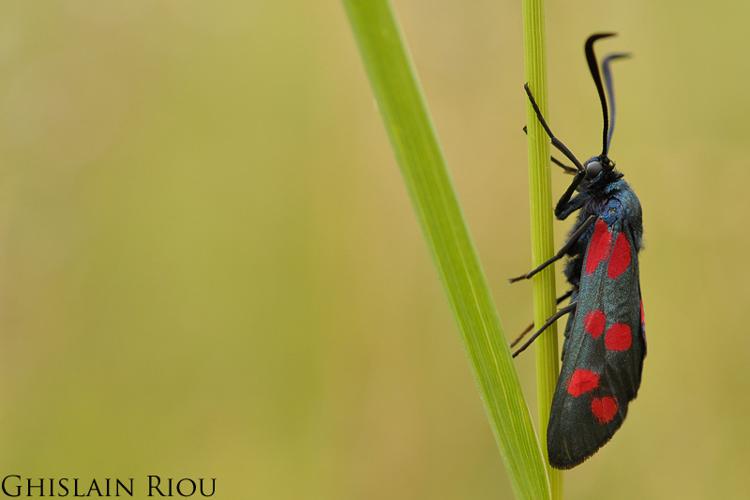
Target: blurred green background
209,265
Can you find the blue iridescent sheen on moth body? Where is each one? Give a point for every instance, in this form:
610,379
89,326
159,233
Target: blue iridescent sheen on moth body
612,211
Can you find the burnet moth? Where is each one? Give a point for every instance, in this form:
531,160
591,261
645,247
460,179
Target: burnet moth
605,342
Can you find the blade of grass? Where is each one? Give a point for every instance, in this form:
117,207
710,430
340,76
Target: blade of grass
418,153
542,240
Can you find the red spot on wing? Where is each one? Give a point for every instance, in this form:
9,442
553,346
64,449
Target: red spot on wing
582,381
599,246
604,409
618,337
620,259
594,323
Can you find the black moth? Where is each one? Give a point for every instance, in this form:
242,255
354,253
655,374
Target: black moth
605,341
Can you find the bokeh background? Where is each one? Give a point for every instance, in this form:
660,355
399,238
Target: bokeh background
209,265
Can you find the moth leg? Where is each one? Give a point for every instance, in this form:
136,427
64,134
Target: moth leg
555,141
563,207
566,168
560,253
563,210
531,325
559,314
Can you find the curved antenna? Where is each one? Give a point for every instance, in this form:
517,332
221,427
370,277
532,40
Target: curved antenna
609,84
594,69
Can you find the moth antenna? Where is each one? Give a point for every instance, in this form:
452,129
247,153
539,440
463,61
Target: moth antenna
566,169
594,69
609,84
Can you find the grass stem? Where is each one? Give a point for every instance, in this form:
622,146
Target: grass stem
542,238
425,173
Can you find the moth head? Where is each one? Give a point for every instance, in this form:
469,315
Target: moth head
596,165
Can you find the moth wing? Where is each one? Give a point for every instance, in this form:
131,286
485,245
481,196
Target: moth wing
604,350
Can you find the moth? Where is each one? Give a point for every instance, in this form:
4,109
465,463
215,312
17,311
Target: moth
605,344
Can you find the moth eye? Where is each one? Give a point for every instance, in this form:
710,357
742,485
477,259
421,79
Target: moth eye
593,168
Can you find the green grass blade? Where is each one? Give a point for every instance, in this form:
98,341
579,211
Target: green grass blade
542,241
418,153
